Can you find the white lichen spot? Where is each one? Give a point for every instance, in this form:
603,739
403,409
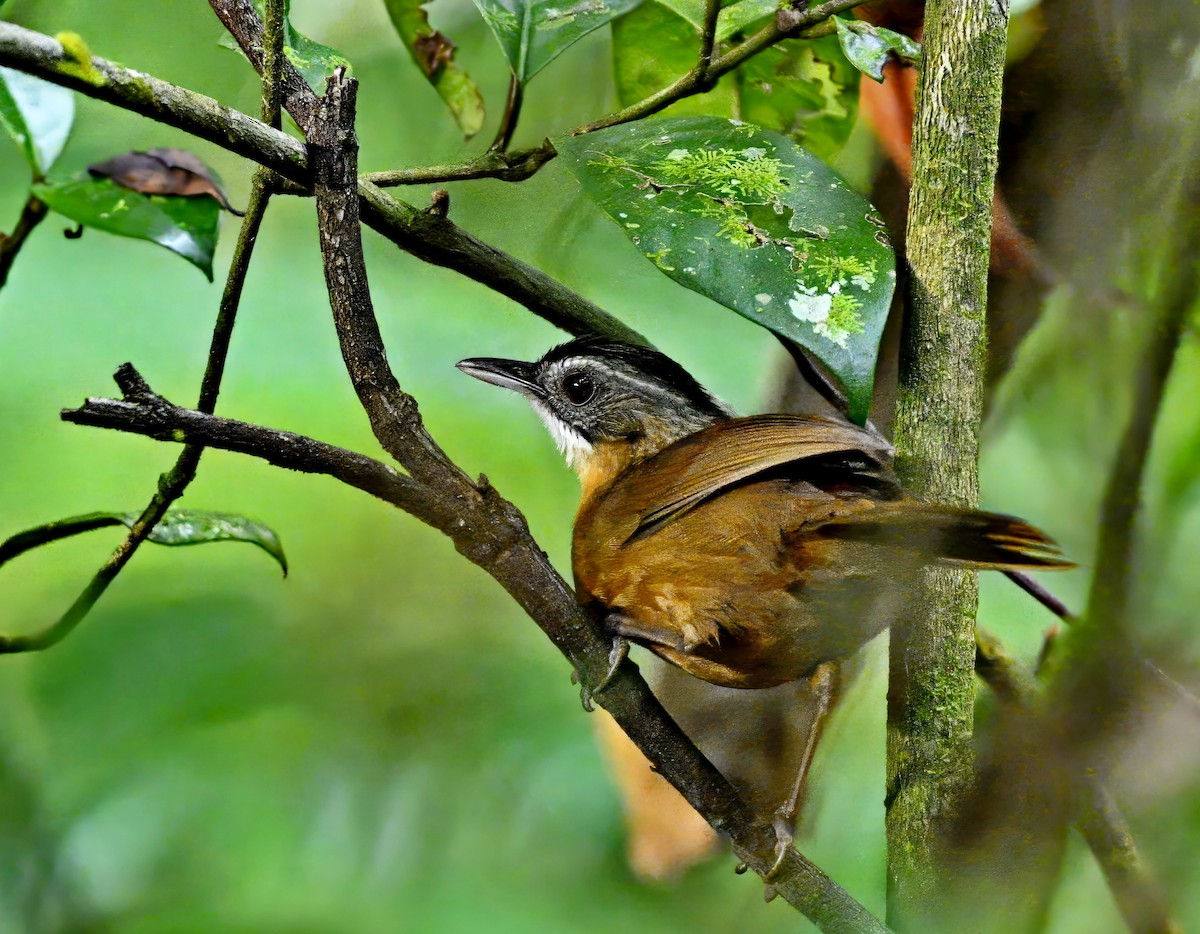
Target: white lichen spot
677,155
689,268
892,273
763,298
754,152
862,282
634,226
622,214
653,194
811,308
835,287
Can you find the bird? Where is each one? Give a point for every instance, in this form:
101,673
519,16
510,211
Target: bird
748,551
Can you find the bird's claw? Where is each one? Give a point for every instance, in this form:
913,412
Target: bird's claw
783,844
617,654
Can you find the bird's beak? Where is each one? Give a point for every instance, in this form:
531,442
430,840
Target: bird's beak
510,374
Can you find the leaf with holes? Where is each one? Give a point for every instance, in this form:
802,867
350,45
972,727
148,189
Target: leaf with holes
533,33
744,216
37,114
177,527
868,47
187,226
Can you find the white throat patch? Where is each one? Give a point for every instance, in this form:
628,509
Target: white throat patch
572,444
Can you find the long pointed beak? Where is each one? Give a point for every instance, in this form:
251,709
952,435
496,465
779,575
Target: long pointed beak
509,374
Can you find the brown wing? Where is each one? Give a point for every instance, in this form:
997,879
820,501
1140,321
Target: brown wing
687,473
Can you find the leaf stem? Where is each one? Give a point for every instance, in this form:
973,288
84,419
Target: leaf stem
512,113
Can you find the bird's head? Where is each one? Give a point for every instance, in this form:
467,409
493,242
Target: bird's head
605,397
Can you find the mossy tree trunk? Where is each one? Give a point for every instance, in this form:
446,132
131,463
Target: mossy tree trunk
939,408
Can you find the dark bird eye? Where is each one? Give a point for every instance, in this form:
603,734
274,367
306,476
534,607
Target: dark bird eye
578,388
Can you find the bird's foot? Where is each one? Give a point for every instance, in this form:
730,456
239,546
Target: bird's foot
617,654
783,844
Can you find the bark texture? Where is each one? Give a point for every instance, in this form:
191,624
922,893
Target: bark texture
939,408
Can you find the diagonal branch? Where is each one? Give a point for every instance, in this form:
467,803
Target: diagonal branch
434,239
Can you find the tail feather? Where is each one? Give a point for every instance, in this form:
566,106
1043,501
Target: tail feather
956,537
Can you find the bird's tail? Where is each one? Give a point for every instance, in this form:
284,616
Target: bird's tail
946,535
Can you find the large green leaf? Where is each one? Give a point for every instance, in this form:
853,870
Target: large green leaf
37,114
806,90
746,217
177,527
733,18
868,47
533,33
434,54
187,226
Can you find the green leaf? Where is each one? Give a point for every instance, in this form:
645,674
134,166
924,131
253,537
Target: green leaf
434,54
533,33
749,219
733,18
868,47
37,114
652,47
177,527
187,226
805,90
314,61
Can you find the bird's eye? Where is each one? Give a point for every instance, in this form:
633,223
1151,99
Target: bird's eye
578,388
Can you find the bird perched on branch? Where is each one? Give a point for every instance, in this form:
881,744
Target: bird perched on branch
748,551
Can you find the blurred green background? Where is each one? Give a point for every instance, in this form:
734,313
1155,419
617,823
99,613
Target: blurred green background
383,742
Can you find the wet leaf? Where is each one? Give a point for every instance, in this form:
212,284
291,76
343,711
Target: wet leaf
868,47
37,114
434,54
187,226
805,90
177,527
533,33
164,172
744,216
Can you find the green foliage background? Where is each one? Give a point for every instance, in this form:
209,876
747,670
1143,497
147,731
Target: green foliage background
383,742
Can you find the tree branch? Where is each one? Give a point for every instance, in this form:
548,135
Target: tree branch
938,414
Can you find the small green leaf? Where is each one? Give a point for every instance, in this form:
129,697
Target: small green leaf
434,54
652,47
37,114
749,219
868,47
187,226
805,90
314,61
177,527
533,33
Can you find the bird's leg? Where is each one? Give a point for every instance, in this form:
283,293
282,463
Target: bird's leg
623,629
823,684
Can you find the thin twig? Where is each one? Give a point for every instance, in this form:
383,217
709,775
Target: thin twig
1096,813
505,166
708,34
171,484
272,64
33,212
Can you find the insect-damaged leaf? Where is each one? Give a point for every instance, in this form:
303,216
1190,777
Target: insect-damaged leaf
868,47
164,172
745,217
177,527
434,54
533,33
187,226
37,114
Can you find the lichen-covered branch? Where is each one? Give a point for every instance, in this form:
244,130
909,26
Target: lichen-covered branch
33,212
939,408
